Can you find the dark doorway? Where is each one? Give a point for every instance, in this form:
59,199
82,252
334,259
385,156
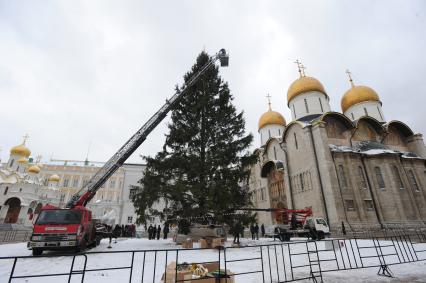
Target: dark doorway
13,211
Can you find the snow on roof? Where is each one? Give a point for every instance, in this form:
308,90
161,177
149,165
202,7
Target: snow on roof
371,148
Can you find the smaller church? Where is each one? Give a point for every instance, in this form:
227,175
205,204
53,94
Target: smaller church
23,191
353,166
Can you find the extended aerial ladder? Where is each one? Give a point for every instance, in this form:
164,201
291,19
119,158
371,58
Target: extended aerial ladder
87,192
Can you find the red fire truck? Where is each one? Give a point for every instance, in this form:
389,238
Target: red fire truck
72,227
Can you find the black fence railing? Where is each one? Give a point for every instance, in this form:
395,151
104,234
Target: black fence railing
275,262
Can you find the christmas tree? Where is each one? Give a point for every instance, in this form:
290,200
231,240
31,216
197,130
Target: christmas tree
203,168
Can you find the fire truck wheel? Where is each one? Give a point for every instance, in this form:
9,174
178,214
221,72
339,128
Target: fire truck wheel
37,252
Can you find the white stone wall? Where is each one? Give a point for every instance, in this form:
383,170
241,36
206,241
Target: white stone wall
269,131
132,174
298,106
368,108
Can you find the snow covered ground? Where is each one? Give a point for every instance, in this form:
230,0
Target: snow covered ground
409,272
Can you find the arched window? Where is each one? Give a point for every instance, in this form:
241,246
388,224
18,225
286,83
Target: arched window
365,111
342,177
11,163
302,185
5,190
379,177
306,106
361,177
269,131
413,181
397,177
322,109
275,153
294,111
352,114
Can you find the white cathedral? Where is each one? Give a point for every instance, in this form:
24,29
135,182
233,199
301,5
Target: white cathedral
22,190
352,166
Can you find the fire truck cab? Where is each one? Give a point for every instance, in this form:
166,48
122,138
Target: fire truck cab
59,229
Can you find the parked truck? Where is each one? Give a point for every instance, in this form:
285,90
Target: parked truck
295,223
72,227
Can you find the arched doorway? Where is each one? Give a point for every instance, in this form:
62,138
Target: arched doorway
13,210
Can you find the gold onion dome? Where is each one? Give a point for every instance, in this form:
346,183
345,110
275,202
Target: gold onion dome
357,94
271,118
20,150
302,85
54,178
34,169
22,160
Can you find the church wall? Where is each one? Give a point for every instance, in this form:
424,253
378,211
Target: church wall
368,108
357,201
299,108
258,188
395,140
303,172
270,131
332,190
418,167
416,144
393,203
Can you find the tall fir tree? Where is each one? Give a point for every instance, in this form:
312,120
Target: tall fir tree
204,165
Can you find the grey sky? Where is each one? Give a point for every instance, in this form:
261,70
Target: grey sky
75,72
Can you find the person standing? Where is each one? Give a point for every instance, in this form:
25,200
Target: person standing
262,229
150,228
256,231
252,231
158,232
165,231
237,231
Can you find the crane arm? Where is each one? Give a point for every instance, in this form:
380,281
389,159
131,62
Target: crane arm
87,192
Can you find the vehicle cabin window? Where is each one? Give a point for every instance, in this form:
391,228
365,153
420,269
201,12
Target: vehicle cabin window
321,221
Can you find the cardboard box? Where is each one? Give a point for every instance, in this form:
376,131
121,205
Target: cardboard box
170,275
231,279
218,242
203,244
188,244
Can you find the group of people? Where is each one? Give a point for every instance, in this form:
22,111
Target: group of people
238,229
154,233
124,230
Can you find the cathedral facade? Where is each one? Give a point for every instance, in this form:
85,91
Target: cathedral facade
352,166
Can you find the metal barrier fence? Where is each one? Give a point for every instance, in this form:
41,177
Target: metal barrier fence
11,236
277,262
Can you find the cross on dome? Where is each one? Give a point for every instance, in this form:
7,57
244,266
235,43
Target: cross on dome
350,78
269,101
301,68
26,137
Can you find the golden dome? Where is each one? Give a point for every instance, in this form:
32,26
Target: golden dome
20,150
357,94
271,118
34,169
54,178
302,85
22,160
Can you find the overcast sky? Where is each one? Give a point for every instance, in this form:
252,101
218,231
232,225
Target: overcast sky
74,73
